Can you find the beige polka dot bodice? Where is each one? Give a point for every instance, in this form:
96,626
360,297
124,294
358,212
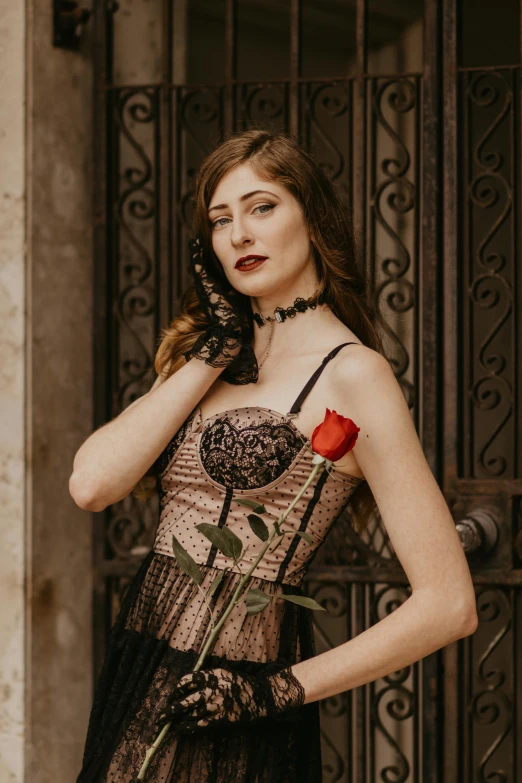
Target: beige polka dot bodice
248,452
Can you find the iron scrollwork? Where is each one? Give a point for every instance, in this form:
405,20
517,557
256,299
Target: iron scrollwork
263,106
133,195
394,697
135,216
397,191
489,107
327,106
389,705
491,704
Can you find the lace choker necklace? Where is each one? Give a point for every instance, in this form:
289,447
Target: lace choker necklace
281,313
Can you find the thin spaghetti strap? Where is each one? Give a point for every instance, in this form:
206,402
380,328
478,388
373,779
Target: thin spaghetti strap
296,407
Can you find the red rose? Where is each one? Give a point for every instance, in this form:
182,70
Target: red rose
335,437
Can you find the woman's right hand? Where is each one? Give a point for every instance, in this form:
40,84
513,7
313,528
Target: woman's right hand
226,341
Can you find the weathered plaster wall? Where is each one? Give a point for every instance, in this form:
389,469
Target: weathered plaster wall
59,247
45,396
12,377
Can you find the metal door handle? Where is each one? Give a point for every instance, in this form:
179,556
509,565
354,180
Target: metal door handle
477,531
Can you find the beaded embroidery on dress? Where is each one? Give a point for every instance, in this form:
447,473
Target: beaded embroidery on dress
249,452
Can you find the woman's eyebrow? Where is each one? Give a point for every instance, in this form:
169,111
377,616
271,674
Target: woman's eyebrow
243,198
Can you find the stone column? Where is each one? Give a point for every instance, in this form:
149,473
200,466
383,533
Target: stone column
45,395
12,382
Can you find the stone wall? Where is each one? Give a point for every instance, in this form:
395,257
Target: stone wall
45,395
12,381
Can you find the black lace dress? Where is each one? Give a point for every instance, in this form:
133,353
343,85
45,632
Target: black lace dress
249,452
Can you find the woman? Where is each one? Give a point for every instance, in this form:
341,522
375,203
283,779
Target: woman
251,714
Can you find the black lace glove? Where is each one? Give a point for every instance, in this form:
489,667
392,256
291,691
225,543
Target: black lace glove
222,696
227,340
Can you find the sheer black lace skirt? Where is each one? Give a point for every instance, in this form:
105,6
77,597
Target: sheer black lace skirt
156,640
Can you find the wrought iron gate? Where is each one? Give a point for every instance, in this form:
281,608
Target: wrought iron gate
429,156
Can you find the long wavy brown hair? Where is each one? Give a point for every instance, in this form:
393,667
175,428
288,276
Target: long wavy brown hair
343,284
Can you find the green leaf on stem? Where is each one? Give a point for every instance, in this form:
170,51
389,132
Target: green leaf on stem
304,535
256,601
226,541
215,584
186,562
258,526
278,529
253,504
303,600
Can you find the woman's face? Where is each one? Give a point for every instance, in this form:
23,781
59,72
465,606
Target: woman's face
267,223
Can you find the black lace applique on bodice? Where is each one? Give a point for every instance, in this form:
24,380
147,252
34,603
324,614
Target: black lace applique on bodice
250,457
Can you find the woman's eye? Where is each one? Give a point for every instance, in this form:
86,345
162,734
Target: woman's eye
270,207
217,222
259,206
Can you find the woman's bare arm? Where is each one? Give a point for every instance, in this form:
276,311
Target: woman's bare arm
442,606
117,455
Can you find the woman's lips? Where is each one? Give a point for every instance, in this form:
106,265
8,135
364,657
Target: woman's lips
249,265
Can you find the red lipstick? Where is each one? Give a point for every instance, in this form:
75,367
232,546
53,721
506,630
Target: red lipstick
252,265
250,257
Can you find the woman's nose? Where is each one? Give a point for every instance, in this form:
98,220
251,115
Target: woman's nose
240,232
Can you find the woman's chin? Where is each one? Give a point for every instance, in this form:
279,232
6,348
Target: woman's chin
254,287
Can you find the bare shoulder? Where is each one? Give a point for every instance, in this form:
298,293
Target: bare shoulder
358,371
364,385
357,363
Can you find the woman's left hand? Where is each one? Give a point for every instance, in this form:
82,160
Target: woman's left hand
214,696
